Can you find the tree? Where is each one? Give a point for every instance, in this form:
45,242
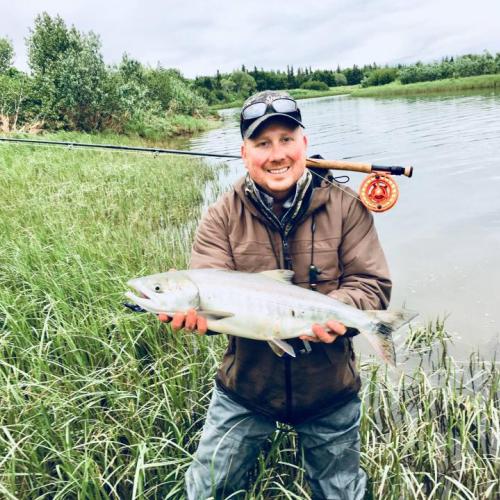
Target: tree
244,83
6,54
48,40
70,75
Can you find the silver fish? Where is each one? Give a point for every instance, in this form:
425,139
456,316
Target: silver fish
262,306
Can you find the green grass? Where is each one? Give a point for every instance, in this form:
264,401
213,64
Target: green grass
308,94
296,94
97,402
447,85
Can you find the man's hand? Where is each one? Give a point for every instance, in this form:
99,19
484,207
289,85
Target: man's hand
189,321
327,333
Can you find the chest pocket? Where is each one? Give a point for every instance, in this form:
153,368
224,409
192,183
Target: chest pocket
325,258
253,256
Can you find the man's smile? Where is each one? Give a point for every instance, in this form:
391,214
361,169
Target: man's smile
278,171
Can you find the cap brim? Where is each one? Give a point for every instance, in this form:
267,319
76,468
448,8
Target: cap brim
259,121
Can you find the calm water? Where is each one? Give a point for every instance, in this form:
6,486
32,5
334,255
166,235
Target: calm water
442,239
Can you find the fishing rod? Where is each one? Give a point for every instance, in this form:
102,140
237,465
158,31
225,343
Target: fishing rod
378,191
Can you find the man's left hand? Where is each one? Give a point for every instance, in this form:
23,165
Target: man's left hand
326,333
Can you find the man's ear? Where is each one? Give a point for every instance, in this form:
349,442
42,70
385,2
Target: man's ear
306,141
243,150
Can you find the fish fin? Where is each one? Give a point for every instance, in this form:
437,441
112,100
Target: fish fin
394,319
214,314
381,336
277,350
278,345
283,275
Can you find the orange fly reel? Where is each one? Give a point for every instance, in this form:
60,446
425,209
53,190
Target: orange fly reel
378,192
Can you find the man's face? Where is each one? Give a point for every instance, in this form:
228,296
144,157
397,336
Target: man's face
276,158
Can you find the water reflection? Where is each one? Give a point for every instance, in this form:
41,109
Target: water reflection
442,239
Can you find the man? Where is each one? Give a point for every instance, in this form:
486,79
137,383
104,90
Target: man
281,216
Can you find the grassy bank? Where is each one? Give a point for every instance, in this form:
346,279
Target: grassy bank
447,85
97,402
296,94
170,127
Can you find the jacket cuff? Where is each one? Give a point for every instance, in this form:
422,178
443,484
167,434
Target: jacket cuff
351,332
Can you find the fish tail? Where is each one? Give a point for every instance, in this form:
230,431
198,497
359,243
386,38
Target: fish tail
380,337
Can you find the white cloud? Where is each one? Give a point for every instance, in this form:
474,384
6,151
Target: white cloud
199,37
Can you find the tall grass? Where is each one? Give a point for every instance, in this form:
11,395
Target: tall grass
97,402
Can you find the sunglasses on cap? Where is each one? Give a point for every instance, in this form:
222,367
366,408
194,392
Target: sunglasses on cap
258,109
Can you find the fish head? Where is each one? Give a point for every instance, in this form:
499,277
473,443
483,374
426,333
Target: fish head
165,292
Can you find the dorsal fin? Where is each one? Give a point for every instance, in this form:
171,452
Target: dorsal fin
283,275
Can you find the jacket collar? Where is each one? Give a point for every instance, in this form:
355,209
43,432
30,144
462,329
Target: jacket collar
318,197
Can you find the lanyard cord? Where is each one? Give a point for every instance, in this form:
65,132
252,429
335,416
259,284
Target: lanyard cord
335,184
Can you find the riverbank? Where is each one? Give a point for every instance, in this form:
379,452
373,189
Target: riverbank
436,86
156,129
391,89
296,94
99,402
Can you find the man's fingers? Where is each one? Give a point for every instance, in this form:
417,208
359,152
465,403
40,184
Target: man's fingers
201,325
178,321
309,338
190,323
164,318
336,327
322,335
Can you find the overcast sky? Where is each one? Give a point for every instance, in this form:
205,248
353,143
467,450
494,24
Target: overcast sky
200,36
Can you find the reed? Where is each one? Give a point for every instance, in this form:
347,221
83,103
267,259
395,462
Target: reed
97,402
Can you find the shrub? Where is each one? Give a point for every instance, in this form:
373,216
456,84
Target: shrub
380,76
314,85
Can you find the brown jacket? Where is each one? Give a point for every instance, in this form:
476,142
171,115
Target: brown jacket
235,235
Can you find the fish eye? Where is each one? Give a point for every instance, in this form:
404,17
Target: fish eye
157,288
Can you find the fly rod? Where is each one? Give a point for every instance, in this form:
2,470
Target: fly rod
352,166
378,191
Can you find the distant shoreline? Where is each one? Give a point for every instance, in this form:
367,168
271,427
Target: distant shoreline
391,89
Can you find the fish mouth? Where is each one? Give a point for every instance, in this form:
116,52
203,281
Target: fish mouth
142,298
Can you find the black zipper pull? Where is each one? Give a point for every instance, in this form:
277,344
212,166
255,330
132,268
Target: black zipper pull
314,272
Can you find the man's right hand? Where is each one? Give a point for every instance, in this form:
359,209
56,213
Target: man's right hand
189,321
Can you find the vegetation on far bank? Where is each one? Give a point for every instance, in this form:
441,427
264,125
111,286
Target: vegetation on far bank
447,85
99,402
297,94
228,90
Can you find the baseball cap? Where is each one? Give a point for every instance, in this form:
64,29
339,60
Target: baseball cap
265,105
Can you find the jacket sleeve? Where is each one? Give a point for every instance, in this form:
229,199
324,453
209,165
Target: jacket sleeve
211,248
365,280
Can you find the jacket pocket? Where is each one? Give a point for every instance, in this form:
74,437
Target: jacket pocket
337,351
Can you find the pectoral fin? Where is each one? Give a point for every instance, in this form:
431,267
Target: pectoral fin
279,347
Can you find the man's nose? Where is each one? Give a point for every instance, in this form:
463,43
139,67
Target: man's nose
277,153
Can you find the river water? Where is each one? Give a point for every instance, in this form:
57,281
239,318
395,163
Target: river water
442,238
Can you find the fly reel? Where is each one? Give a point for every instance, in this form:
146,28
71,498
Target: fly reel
378,192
